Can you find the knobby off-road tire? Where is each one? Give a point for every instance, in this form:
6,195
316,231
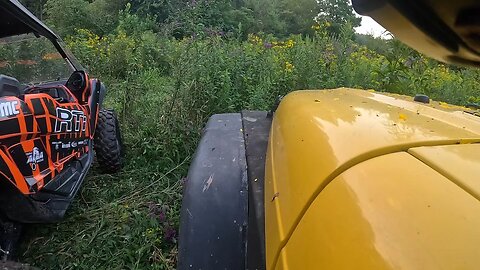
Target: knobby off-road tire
108,142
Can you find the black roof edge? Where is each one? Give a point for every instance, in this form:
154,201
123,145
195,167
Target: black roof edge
15,8
363,7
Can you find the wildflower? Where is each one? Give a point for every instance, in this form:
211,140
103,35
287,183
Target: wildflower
267,45
157,212
289,44
170,234
289,67
254,39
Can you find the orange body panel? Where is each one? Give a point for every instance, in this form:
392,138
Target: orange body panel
40,132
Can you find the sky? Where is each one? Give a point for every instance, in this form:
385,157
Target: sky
369,26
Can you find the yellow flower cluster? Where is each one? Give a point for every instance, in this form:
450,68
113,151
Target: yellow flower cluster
319,26
289,67
150,231
89,40
283,44
254,39
289,43
363,54
329,47
92,40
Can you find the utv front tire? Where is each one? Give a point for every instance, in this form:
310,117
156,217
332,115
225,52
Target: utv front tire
108,142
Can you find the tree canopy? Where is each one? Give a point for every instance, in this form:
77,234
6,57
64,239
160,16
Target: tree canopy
185,18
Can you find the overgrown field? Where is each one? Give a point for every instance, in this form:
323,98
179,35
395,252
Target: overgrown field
165,88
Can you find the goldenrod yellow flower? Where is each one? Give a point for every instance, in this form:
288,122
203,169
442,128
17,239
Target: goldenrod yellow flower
289,67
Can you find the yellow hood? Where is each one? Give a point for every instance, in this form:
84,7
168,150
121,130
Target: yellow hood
322,143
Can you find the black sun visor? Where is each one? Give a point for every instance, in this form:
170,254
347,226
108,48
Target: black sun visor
15,19
446,30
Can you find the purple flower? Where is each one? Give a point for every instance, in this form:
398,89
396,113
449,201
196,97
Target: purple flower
267,45
157,212
170,234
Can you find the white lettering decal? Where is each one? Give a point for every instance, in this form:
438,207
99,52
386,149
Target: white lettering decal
34,157
70,120
9,108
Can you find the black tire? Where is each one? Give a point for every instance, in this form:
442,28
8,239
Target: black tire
108,142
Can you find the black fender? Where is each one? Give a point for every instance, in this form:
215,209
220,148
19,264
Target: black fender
96,102
256,130
214,215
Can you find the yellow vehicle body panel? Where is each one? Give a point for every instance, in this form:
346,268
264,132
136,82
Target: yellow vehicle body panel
318,135
460,163
379,215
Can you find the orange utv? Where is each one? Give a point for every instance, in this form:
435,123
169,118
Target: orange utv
52,124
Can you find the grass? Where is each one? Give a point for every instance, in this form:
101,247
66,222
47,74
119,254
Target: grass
122,221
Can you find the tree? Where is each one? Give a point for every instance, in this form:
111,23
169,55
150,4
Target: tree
266,15
99,16
67,15
162,10
104,14
338,14
35,6
299,16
